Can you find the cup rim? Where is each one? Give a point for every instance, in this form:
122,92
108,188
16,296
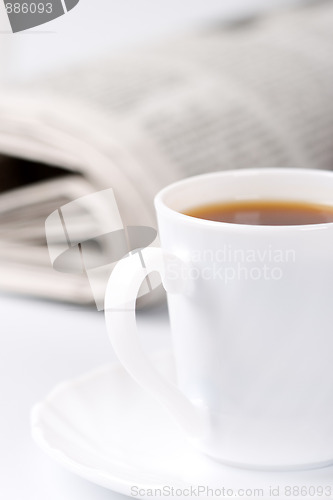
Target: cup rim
162,207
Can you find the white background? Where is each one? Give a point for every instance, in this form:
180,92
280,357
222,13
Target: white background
108,26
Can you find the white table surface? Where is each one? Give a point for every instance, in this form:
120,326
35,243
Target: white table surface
42,344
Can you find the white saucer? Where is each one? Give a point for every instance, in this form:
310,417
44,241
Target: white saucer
105,428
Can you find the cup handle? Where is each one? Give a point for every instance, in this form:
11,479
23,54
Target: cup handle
120,299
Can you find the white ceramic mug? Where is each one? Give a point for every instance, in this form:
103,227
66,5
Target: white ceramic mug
251,314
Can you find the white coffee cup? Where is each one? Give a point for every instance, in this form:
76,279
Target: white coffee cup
251,314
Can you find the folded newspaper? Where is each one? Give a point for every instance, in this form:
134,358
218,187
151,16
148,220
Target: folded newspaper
254,93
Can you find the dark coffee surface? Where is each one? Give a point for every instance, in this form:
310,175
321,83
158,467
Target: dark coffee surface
265,212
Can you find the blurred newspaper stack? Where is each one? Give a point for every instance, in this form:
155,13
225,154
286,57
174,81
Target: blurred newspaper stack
256,93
